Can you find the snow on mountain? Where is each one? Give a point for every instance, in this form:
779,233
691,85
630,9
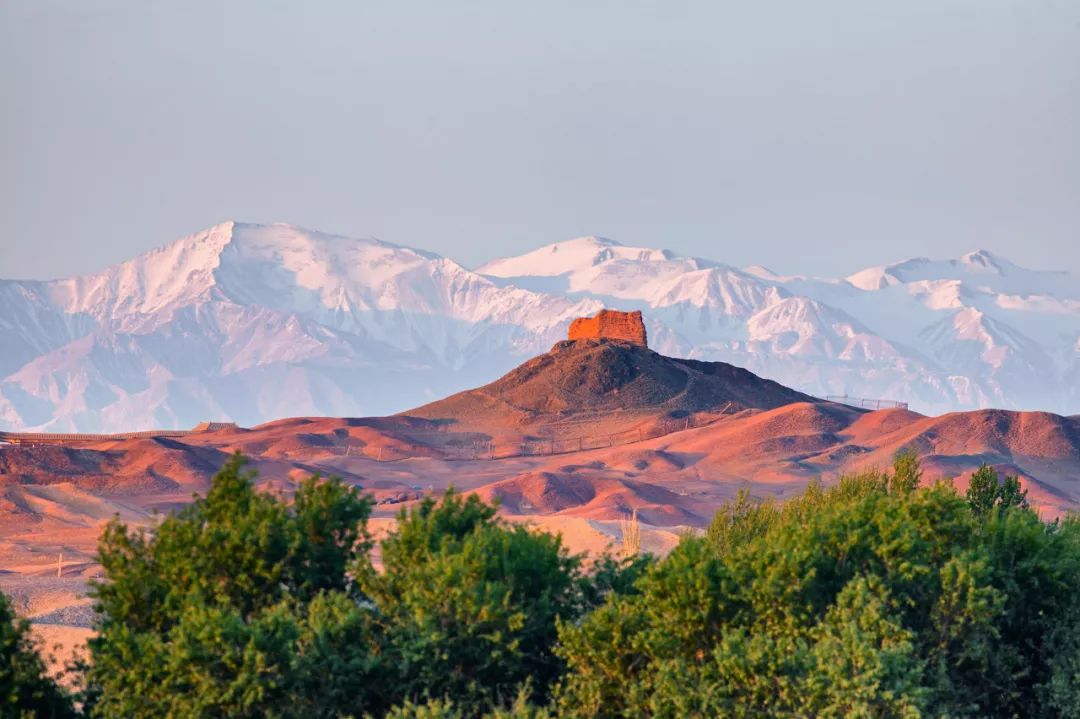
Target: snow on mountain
979,270
941,334
32,325
801,327
807,344
253,322
700,299
593,265
1006,362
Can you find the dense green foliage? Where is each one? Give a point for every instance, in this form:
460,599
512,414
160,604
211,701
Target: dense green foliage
872,598
245,605
237,606
468,603
26,690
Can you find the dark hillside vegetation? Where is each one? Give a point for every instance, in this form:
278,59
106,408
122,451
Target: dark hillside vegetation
876,597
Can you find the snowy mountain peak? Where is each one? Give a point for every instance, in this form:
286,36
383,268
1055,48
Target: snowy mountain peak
254,321
271,265
588,240
873,278
176,273
250,322
595,265
980,271
984,260
763,272
556,259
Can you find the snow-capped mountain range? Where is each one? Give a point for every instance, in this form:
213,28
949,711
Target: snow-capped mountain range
253,322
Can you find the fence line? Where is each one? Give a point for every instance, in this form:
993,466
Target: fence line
51,438
864,403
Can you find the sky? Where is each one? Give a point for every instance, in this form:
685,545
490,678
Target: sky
811,137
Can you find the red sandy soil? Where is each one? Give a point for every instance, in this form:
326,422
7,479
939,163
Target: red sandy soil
772,440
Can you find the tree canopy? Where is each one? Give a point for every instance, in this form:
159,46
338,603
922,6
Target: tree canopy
870,598
875,597
239,605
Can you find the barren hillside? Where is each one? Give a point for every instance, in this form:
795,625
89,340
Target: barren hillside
681,437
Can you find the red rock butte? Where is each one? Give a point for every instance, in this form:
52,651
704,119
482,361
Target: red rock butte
612,325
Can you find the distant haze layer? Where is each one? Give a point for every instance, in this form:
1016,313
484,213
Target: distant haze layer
812,137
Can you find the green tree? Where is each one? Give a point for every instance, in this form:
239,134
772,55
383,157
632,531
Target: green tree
1012,494
469,603
982,492
907,472
26,689
239,605
430,709
1036,653
608,575
741,521
864,663
875,597
986,493
871,598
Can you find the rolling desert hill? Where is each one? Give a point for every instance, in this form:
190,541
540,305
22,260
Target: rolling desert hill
528,436
679,437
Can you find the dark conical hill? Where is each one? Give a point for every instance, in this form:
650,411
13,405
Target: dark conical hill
598,378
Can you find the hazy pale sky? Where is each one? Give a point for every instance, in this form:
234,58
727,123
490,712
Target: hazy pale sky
812,137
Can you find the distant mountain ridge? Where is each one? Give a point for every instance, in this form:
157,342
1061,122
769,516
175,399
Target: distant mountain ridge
250,322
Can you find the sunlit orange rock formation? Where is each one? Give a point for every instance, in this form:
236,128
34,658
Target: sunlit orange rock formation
610,324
